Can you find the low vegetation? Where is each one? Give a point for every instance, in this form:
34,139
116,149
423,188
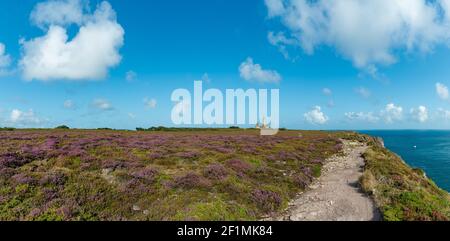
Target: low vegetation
401,192
229,174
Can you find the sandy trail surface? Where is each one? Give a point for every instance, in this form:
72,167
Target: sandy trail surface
336,195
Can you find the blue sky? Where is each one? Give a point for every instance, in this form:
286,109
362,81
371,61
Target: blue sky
333,73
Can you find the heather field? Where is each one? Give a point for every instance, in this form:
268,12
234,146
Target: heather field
155,175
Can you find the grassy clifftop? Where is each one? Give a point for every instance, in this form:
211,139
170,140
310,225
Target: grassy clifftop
401,192
120,175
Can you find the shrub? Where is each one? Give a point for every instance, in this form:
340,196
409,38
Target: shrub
239,165
22,178
113,164
57,179
62,127
267,201
13,160
302,181
215,171
190,180
189,155
7,129
147,175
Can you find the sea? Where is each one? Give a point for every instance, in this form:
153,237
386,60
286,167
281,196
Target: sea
425,149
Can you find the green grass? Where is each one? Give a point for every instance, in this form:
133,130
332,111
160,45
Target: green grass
400,192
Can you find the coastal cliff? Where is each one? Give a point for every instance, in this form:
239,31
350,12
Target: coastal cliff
400,191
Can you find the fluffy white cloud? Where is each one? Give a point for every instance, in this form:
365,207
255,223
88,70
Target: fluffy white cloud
392,113
150,103
5,59
88,56
442,91
69,104
316,116
361,116
24,118
420,114
254,72
327,91
130,76
102,105
275,7
368,33
62,12
363,92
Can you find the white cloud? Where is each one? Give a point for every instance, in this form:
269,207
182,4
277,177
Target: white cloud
63,12
69,104
361,116
27,118
5,59
369,33
130,76
102,104
254,72
392,113
281,41
88,56
442,91
327,91
365,93
275,7
150,103
316,116
420,114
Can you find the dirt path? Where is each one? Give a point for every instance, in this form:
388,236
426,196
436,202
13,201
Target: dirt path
336,195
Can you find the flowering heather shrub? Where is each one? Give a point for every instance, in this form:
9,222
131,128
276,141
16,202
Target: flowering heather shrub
338,147
224,150
250,150
302,181
190,180
57,179
215,172
156,155
238,165
13,160
23,179
35,212
265,200
311,148
307,171
49,194
7,173
271,158
286,156
189,155
113,164
147,175
63,171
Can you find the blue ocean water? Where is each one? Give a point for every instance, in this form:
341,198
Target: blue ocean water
425,149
